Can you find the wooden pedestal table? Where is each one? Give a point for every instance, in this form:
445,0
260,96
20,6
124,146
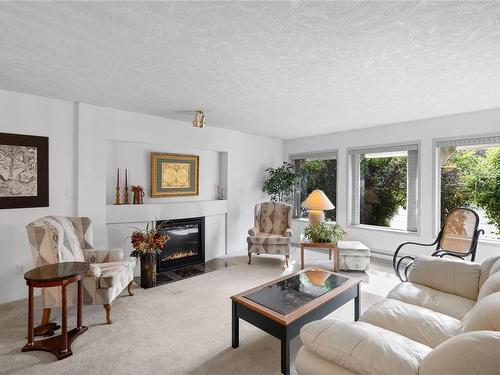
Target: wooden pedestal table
319,245
53,275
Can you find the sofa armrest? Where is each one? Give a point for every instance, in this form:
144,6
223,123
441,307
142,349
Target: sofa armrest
102,256
288,233
253,231
363,348
469,353
447,275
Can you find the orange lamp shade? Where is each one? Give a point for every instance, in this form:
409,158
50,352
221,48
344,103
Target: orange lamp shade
317,200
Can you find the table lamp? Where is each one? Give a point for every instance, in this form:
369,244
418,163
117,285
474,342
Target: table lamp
316,203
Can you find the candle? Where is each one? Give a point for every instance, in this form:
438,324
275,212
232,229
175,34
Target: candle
126,177
118,178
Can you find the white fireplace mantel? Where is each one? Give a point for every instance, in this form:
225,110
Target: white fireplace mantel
136,213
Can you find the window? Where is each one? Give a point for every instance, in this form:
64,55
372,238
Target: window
384,186
316,171
469,176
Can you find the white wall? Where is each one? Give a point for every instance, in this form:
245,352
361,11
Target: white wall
423,131
79,139
248,157
32,115
136,157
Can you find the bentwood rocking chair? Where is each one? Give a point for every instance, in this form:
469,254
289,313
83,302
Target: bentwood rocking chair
457,238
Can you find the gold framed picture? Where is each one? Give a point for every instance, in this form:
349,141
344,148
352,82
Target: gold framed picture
174,175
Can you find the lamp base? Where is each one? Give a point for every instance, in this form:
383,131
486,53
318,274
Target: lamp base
316,216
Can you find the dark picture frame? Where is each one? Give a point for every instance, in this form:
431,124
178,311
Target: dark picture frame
174,175
41,144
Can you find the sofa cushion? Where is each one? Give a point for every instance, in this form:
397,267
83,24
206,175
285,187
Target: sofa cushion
269,239
488,268
466,354
307,363
432,299
490,286
447,275
113,273
484,316
363,348
414,322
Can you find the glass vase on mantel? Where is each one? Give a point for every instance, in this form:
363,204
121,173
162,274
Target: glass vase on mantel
148,270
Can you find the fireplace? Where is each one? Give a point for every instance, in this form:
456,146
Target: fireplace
186,245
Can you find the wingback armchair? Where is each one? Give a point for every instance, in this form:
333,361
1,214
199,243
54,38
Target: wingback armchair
57,239
272,231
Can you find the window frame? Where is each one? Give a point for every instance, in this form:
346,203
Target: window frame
481,139
407,145
332,154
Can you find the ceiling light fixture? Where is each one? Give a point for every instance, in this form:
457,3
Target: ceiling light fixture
199,119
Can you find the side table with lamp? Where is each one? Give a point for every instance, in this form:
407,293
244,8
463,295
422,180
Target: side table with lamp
317,202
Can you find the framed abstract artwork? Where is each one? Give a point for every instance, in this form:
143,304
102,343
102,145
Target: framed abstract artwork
24,171
174,175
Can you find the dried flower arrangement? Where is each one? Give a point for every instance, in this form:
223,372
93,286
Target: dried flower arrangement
150,240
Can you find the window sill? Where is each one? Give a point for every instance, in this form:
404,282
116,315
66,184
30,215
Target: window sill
384,229
306,220
489,242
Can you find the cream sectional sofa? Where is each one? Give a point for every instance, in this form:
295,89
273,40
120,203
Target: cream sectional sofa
445,320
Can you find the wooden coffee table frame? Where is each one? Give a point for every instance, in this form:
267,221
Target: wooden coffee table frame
286,327
318,245
59,345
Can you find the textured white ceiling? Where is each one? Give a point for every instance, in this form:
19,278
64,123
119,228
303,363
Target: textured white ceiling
273,68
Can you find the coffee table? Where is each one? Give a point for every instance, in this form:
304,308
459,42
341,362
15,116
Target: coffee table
283,306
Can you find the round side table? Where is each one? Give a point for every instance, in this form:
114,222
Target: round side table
57,274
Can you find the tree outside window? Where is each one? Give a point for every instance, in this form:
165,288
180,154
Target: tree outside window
470,177
383,191
384,186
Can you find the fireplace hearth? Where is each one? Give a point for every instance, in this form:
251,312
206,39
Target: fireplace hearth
186,246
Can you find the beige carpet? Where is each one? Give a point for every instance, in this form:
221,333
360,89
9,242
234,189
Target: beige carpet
179,328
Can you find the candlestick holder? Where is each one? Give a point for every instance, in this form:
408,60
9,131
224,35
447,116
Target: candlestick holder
117,196
125,201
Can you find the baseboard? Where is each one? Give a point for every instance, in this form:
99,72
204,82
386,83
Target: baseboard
381,256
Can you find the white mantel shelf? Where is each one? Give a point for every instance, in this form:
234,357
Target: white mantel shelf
136,213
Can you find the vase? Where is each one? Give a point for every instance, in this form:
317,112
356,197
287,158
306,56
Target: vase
148,270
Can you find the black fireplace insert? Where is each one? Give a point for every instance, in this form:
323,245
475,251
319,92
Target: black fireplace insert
186,245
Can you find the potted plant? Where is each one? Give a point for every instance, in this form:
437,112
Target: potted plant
280,181
147,243
324,232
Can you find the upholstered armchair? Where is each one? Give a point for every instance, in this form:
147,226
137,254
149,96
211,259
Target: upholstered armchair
57,239
272,231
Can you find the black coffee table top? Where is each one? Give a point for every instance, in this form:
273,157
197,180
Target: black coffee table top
57,272
288,295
